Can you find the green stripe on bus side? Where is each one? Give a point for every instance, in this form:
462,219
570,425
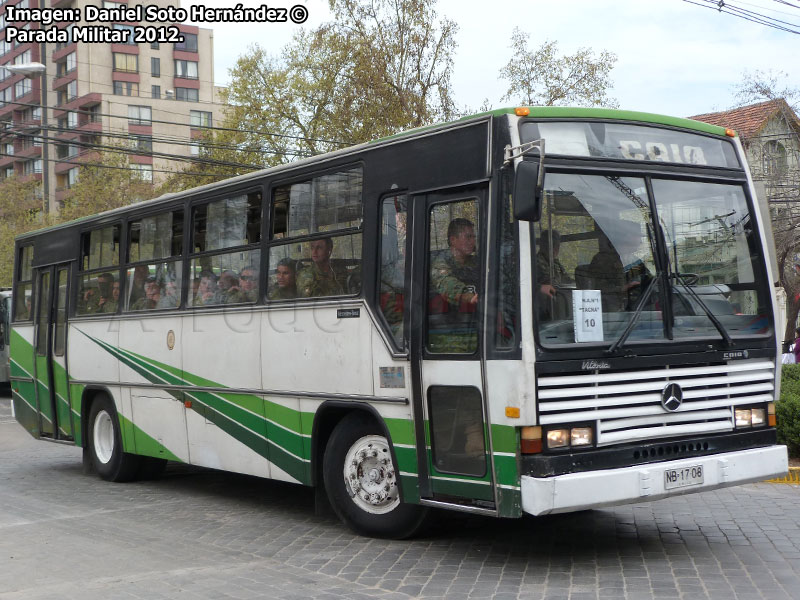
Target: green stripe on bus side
145,444
406,459
76,402
24,407
21,354
222,414
464,489
509,503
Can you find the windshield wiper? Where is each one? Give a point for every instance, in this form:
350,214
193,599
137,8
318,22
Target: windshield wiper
711,316
636,313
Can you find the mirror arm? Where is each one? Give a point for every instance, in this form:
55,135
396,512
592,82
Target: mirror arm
512,152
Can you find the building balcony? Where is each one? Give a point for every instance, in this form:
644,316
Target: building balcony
65,79
6,161
90,126
28,153
78,103
62,51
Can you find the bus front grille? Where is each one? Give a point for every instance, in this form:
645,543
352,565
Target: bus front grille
625,406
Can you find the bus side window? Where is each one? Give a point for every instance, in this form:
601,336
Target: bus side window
391,296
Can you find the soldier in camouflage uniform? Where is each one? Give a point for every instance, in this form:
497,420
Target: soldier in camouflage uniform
285,286
247,290
320,279
621,285
454,280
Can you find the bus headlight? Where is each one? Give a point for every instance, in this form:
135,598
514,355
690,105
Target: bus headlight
581,436
742,417
558,438
574,437
757,417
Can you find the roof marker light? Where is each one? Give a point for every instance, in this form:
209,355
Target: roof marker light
522,111
730,133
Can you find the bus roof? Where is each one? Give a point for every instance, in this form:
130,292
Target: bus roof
535,112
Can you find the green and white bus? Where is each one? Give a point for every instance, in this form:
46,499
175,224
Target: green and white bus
532,310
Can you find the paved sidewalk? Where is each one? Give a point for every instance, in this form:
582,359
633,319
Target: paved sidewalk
205,534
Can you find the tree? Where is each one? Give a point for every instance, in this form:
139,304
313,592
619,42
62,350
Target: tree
20,212
107,182
775,162
379,67
543,78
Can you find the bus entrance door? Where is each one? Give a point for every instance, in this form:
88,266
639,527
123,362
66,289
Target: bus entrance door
52,386
446,338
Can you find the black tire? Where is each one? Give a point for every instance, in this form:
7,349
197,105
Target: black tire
105,444
382,513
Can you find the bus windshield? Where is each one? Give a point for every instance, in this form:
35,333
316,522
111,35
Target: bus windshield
598,263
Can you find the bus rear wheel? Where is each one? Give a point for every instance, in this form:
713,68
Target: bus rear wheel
361,481
105,443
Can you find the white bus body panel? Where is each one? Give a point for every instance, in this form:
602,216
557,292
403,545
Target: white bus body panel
644,483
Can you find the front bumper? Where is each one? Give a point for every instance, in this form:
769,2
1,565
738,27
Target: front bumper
643,483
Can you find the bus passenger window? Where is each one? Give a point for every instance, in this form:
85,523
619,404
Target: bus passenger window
328,266
391,296
322,218
454,278
23,292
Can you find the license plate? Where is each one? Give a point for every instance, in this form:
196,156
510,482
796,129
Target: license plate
678,478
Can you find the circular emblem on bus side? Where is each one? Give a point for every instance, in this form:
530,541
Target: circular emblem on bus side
170,339
672,397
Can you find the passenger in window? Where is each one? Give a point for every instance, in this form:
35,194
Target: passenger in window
285,286
137,292
228,283
171,296
152,297
550,274
246,290
454,276
105,286
89,297
617,272
207,290
115,292
248,285
320,279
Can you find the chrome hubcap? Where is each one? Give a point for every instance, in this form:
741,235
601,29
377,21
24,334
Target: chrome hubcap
370,477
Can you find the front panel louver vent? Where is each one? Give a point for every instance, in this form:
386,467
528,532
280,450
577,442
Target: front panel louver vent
626,406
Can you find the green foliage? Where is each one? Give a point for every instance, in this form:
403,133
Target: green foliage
378,68
20,212
543,78
787,410
107,184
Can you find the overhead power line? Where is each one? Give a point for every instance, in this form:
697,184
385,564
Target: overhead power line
748,15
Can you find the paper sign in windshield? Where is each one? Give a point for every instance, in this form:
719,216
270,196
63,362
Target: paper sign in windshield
587,308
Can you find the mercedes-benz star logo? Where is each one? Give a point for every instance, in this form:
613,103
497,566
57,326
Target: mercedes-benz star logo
672,397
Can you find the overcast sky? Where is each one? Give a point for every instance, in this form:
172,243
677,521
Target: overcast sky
674,57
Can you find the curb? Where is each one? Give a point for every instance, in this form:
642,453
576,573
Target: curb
793,476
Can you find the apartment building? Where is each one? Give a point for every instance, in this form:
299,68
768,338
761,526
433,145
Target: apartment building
154,98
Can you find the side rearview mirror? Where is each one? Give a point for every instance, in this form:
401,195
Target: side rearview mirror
528,186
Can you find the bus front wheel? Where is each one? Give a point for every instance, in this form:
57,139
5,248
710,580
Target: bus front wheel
361,481
105,443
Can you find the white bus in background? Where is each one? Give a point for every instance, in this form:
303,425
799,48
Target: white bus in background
452,317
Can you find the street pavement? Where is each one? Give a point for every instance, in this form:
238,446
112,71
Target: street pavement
198,533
